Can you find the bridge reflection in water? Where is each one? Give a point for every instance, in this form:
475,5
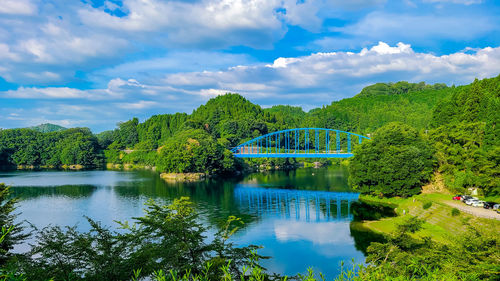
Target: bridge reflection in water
296,204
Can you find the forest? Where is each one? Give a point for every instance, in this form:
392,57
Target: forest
456,125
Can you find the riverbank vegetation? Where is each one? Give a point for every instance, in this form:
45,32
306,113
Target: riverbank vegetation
31,149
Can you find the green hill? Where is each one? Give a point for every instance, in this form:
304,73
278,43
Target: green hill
47,128
398,88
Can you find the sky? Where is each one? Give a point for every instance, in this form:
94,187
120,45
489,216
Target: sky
95,63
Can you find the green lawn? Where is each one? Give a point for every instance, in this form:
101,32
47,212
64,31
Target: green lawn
440,225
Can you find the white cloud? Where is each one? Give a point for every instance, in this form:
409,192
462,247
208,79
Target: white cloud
314,79
322,77
46,93
309,81
5,53
173,62
464,2
17,7
43,76
57,44
137,105
222,23
310,14
212,92
382,26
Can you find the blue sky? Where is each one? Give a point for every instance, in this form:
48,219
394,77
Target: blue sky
95,63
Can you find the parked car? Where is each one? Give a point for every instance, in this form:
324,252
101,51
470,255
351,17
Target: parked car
496,207
489,205
466,197
458,197
477,203
470,201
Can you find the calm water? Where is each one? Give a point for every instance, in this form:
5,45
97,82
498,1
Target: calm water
301,218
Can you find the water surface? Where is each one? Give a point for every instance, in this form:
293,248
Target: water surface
301,218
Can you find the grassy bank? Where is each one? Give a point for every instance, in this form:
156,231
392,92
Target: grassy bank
441,225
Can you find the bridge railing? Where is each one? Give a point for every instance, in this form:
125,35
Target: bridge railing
300,142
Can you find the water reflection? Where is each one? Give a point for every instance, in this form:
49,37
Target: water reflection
298,204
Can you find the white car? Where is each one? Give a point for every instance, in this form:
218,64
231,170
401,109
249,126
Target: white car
477,203
496,206
471,201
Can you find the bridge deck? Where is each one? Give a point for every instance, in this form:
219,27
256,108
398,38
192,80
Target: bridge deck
293,155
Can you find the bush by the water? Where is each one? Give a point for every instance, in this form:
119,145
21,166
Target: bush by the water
396,162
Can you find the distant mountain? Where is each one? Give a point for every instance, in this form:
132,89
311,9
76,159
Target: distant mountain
47,128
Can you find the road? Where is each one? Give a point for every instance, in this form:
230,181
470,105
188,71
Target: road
475,211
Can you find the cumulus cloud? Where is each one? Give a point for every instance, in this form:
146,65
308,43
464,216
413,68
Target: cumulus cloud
310,14
323,77
64,37
17,7
308,81
220,23
318,78
464,2
50,46
216,23
383,26
137,105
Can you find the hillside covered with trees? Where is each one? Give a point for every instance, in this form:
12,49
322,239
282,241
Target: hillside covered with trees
458,123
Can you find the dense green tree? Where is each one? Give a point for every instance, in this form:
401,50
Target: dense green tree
126,135
398,88
158,128
467,136
194,150
15,234
32,148
396,162
365,113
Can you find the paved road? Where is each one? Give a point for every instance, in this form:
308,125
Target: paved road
475,211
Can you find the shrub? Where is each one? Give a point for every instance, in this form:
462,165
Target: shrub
455,212
427,205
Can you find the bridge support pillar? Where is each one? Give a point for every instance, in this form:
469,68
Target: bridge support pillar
338,141
338,208
348,143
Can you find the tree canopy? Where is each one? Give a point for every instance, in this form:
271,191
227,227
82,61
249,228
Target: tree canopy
396,162
466,135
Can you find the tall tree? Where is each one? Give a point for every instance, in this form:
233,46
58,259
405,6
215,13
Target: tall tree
396,162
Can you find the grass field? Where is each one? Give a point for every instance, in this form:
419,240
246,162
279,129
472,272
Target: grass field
439,224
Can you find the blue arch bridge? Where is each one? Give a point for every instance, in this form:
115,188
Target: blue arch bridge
299,205
300,143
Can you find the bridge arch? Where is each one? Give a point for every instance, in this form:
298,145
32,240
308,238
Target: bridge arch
300,143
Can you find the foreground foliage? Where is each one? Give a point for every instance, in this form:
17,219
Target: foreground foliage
473,256
12,233
168,238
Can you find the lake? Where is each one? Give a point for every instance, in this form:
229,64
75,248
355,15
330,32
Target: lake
302,218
